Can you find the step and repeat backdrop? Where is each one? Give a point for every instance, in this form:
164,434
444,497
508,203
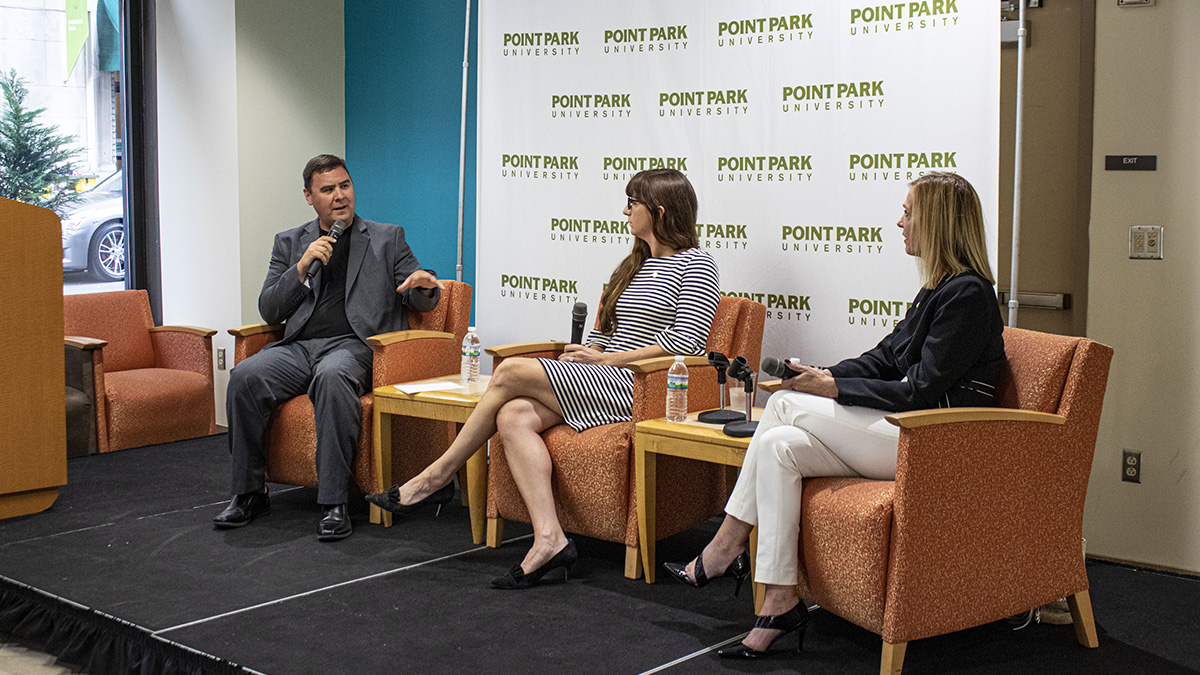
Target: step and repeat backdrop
799,123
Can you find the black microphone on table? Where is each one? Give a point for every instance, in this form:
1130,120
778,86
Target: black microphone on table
774,367
720,416
578,318
316,264
740,370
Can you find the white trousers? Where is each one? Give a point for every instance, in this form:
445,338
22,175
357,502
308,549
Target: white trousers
802,436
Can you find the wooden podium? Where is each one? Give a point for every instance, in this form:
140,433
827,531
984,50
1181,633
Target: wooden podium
33,435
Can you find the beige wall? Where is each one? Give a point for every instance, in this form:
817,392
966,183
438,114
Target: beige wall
248,90
1147,101
290,106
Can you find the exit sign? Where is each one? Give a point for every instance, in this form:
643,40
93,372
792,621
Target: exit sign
1130,162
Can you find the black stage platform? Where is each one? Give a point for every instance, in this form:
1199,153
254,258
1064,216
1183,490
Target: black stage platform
126,574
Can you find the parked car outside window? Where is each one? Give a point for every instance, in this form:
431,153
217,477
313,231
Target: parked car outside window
93,232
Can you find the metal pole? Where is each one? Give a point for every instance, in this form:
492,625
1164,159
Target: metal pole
1016,210
462,143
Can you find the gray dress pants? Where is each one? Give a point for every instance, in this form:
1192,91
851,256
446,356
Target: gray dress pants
334,372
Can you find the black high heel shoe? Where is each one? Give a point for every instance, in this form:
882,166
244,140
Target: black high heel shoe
390,500
738,569
517,579
794,620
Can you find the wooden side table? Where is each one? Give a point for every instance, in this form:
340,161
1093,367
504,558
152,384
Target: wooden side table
690,439
448,405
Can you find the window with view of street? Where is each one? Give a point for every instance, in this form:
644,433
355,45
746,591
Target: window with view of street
60,129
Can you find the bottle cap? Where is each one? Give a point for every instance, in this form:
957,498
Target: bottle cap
678,358
470,329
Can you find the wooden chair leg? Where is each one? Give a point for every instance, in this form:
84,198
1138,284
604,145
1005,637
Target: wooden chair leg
495,532
462,486
893,658
633,563
1081,616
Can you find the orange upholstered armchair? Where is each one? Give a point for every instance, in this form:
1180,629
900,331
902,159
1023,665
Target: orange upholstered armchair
593,478
985,517
428,349
150,384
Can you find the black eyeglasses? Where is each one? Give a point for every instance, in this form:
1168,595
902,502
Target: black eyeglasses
630,201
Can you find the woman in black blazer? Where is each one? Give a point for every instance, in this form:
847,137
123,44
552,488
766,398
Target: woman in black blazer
947,351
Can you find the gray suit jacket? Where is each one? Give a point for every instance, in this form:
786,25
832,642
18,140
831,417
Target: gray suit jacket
380,260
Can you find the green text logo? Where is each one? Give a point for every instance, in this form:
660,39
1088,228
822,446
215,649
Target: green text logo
764,169
590,106
645,39
722,236
703,103
590,231
780,306
872,312
899,166
541,167
833,96
832,239
903,16
623,168
765,30
558,43
538,288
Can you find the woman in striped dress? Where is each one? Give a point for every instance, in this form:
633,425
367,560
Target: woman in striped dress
660,301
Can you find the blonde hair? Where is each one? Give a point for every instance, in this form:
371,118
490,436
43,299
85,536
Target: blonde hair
949,228
674,227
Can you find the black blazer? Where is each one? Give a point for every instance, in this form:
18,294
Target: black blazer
948,351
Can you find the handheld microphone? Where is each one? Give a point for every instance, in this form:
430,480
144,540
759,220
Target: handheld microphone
315,265
775,367
578,317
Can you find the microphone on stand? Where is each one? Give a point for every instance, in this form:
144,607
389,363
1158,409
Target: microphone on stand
720,416
740,370
578,317
315,265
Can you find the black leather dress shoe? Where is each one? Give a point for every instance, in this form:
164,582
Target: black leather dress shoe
243,509
335,523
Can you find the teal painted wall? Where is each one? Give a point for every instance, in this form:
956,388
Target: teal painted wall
403,104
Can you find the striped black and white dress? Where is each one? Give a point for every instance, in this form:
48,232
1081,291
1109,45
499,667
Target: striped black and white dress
670,302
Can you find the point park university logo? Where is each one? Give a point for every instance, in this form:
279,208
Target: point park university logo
590,231
765,30
647,39
539,167
780,306
831,240
871,312
765,169
590,106
903,16
899,166
816,98
557,43
539,289
703,103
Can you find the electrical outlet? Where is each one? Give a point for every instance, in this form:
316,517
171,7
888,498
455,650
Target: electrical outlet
1131,466
221,358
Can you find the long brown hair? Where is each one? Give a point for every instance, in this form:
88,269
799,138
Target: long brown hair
674,227
949,224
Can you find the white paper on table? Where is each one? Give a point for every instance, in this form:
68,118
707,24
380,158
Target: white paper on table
428,386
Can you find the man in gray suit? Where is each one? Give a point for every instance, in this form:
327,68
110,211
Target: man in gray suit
332,293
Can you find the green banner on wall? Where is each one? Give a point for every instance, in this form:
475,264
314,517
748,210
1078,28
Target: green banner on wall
77,31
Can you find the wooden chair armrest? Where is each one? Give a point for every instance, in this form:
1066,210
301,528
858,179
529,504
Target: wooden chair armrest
83,342
194,330
519,348
663,362
385,339
255,329
920,418
770,386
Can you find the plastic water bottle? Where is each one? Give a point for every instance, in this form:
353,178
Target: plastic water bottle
471,347
677,385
